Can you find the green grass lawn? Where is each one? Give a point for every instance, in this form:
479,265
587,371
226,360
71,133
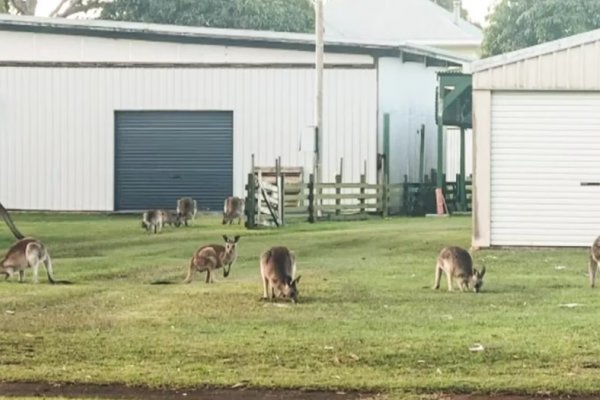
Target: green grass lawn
367,317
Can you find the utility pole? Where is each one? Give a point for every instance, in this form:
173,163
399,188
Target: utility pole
319,48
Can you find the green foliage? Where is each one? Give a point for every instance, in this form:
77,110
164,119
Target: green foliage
276,15
449,5
517,24
367,318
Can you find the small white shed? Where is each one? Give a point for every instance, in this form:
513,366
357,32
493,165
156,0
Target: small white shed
536,116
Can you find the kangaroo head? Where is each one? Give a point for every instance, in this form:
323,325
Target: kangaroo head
291,289
477,279
230,245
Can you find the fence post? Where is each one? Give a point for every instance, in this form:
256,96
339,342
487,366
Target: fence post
385,199
251,202
311,198
280,190
338,189
363,181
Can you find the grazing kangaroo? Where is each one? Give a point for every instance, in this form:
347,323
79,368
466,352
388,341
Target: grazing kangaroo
278,268
213,256
186,209
27,252
156,219
594,261
457,263
232,209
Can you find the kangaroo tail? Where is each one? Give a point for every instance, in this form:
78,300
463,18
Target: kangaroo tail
49,271
9,222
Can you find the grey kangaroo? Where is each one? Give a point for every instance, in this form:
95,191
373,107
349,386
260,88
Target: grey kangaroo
25,253
213,256
278,268
457,263
155,219
594,261
232,209
186,209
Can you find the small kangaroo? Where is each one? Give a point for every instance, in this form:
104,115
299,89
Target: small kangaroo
594,262
186,209
278,268
457,263
27,252
156,219
232,209
211,257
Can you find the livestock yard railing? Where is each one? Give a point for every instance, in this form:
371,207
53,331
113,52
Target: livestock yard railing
315,201
277,194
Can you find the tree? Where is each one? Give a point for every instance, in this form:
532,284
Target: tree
64,8
277,15
516,24
449,5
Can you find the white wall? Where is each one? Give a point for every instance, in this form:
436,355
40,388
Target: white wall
407,93
452,149
36,47
57,128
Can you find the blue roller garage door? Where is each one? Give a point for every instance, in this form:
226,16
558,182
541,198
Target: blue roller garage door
164,155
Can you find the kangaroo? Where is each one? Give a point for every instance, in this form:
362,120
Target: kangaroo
594,262
25,253
186,209
211,257
457,263
232,209
156,219
278,268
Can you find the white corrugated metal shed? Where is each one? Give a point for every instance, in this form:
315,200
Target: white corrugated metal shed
63,81
537,145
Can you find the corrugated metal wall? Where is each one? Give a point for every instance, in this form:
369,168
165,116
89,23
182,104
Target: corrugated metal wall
57,124
452,156
407,93
571,68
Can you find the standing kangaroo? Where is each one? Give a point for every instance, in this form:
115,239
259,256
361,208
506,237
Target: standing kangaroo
213,256
155,219
26,253
278,268
457,263
594,261
186,209
232,209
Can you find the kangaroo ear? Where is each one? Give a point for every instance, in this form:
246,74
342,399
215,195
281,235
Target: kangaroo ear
482,272
297,279
225,238
236,238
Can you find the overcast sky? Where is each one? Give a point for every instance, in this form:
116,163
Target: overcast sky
478,9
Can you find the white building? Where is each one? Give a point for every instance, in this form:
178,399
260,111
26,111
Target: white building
99,115
419,22
536,117
409,22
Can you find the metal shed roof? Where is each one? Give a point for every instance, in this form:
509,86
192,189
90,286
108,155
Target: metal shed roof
536,51
414,20
218,36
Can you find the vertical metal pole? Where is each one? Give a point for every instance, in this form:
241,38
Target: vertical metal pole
463,180
386,148
422,154
440,155
319,49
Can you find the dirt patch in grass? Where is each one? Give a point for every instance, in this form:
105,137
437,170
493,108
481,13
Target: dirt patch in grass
114,392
